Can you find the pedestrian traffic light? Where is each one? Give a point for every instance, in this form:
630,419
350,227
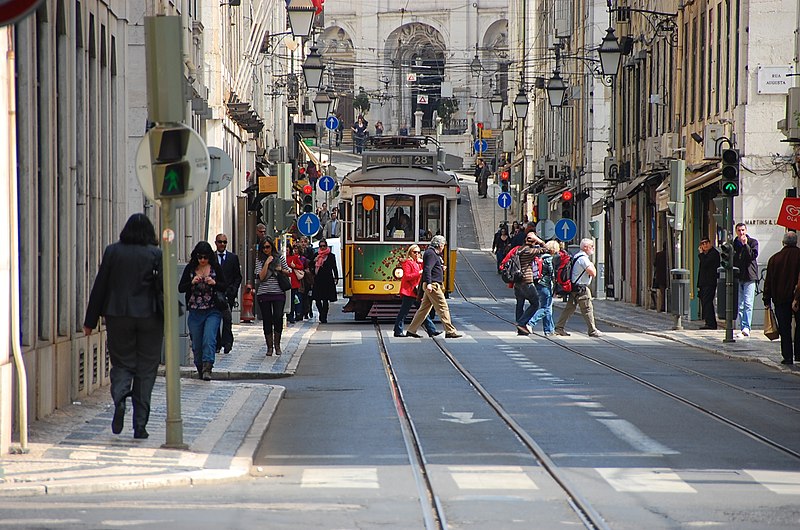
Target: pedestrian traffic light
170,168
504,180
729,185
308,199
726,255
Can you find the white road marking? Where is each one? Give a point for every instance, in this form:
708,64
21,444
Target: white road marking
780,482
340,477
643,480
602,414
464,418
628,432
491,477
349,337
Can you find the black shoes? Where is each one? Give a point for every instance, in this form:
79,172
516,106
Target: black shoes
786,362
453,335
207,371
412,334
396,334
140,433
434,334
119,417
522,330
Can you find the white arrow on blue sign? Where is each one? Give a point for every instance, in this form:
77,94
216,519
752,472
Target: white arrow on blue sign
326,183
308,224
481,146
332,123
504,200
566,229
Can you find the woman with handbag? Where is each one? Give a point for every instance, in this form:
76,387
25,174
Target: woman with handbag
410,290
326,276
273,273
204,285
126,292
297,262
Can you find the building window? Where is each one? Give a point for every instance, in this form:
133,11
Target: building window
399,215
431,222
368,222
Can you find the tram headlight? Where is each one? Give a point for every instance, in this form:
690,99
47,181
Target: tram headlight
398,272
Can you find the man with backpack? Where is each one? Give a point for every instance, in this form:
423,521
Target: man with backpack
581,275
530,264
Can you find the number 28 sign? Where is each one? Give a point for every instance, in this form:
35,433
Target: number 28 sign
790,213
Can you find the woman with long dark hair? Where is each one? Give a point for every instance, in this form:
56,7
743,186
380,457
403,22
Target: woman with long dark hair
126,293
326,275
202,279
270,295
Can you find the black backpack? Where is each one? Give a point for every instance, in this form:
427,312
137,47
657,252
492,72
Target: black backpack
512,270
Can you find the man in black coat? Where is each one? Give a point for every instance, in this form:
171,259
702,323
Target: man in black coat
707,282
783,270
232,271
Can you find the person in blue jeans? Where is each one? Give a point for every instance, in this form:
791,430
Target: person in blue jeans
409,283
525,289
545,288
745,254
201,280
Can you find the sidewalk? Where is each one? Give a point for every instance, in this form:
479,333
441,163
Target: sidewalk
74,452
622,314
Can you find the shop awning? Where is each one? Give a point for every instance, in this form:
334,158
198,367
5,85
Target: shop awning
702,180
632,186
597,207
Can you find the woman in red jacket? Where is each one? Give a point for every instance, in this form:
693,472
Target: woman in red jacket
412,273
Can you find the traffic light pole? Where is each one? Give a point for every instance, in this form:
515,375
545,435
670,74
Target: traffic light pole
169,262
730,314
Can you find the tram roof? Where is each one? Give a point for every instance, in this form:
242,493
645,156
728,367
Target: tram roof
393,176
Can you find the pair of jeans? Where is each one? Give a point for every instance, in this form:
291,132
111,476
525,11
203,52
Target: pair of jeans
790,347
203,325
545,311
296,313
405,306
523,292
747,291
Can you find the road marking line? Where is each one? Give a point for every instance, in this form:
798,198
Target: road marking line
628,432
491,477
338,477
643,480
780,482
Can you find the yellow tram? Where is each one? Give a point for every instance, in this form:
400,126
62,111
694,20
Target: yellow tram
399,196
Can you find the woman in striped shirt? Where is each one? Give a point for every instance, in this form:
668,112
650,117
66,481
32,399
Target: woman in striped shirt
271,297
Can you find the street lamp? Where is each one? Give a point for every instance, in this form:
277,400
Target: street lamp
313,68
556,88
322,104
497,104
521,104
610,53
301,17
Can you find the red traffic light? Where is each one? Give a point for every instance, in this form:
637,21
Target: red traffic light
566,195
302,171
307,189
480,125
504,175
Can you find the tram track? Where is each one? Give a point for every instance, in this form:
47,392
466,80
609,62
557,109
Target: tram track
433,510
649,384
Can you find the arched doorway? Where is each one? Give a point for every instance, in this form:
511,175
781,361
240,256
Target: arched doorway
336,48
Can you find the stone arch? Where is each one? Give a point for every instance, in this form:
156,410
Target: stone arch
336,47
419,49
495,56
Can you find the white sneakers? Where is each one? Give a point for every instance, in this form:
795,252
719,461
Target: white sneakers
746,332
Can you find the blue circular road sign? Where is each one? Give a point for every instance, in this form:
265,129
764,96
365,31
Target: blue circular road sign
332,123
326,183
481,146
308,224
566,229
504,200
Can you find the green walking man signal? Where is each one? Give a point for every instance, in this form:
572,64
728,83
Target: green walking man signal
729,185
170,168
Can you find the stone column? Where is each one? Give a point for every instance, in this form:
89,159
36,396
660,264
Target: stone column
418,123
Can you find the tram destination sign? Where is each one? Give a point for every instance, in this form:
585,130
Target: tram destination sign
418,159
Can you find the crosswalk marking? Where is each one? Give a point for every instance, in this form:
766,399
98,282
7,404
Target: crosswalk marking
780,482
491,478
625,430
644,480
339,477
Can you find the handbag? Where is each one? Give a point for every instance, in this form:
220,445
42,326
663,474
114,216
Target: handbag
284,282
299,274
220,301
770,324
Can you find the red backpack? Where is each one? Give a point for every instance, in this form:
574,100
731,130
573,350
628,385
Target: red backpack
562,277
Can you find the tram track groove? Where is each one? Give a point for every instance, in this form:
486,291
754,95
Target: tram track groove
653,386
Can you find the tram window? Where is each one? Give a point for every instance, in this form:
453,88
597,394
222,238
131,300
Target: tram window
399,215
368,222
430,216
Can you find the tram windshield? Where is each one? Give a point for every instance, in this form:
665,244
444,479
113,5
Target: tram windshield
399,215
367,218
430,216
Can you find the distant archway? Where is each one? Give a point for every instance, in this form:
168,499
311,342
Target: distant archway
339,57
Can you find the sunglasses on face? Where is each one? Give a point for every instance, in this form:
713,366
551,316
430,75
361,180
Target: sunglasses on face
323,246
203,256
221,242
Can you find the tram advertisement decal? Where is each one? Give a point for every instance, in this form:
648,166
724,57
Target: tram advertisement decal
377,262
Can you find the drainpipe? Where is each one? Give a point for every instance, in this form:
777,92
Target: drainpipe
13,223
